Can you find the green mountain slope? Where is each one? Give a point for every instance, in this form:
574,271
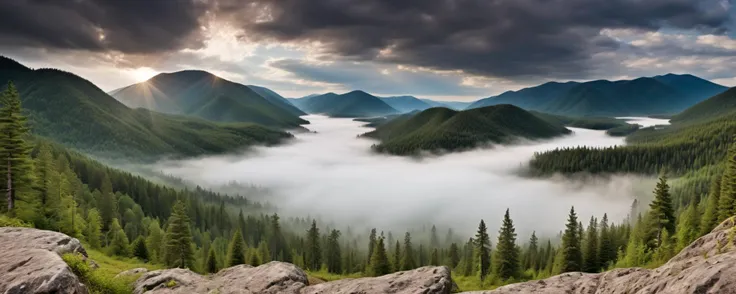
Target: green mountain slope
186,92
666,94
277,99
442,129
716,106
456,105
71,110
352,104
406,103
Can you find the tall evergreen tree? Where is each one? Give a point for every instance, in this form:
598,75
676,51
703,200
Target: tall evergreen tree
313,251
178,248
661,214
140,250
334,255
506,258
572,257
468,258
94,228
434,257
434,241
211,262
606,247
687,226
482,248
236,250
154,241
531,254
396,261
371,244
590,252
119,244
277,242
727,199
15,161
711,214
407,259
453,255
379,264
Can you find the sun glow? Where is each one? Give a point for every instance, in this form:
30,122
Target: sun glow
143,73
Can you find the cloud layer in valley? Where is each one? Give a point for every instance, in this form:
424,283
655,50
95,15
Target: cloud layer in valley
334,176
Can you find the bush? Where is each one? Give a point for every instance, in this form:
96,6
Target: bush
6,221
96,281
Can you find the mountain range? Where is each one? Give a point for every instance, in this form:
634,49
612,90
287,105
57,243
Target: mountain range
443,129
666,94
71,110
352,104
202,94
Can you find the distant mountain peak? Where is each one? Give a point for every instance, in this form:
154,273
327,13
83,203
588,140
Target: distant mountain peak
7,63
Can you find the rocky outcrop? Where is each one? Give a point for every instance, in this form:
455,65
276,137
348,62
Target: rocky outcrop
280,277
708,265
30,262
426,280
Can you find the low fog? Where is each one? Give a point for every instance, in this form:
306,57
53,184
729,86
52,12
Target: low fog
334,176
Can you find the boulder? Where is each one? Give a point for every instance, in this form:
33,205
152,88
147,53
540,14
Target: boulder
708,265
280,277
427,280
30,262
132,272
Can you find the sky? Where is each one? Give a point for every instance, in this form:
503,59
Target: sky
443,49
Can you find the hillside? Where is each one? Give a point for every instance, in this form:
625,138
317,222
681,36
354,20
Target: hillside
202,94
406,103
714,107
665,94
71,110
456,105
352,104
442,129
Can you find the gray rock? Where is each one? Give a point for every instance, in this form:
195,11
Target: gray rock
708,265
427,280
280,277
132,272
30,262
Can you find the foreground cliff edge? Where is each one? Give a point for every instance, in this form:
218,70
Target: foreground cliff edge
30,262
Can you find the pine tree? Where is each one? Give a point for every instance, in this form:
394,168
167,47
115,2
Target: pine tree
482,251
106,204
607,249
119,244
334,255
434,258
453,255
572,257
711,214
469,258
531,255
154,240
94,228
687,226
407,260
211,263
506,258
263,252
379,264
15,160
727,199
661,215
179,251
397,257
371,244
236,250
140,250
313,251
590,254
277,242
434,241
422,261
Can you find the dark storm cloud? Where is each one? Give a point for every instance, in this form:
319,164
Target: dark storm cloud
128,26
507,38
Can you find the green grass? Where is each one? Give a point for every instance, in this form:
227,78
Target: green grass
327,277
102,280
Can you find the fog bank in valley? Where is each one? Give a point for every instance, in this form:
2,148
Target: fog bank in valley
334,176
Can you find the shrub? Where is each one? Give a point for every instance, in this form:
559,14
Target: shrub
96,281
6,221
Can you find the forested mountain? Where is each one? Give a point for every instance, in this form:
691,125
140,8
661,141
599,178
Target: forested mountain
352,104
202,94
277,99
443,129
406,103
71,110
718,105
665,94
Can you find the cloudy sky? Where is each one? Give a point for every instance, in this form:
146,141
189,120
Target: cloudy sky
447,49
